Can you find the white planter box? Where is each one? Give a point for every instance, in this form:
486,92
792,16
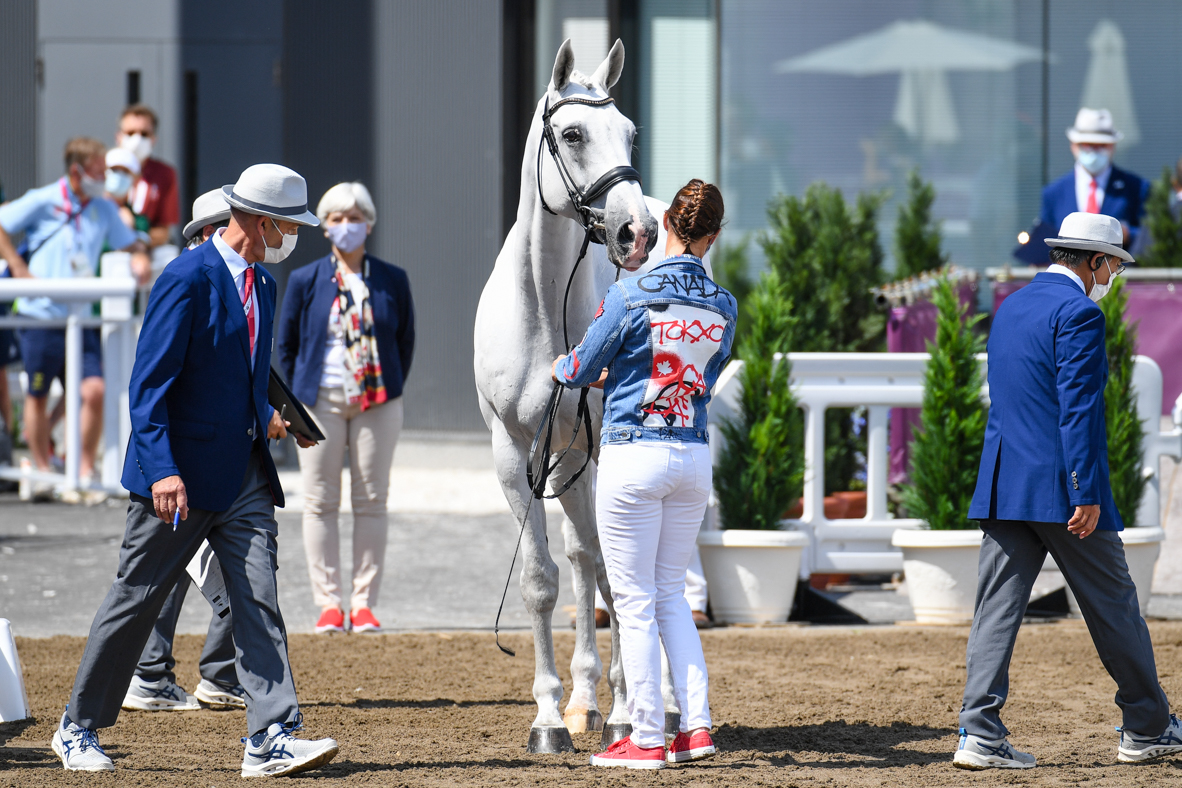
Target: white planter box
751,574
941,571
1142,547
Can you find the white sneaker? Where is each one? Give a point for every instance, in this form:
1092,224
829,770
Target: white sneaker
280,753
159,695
79,748
1134,748
213,694
977,753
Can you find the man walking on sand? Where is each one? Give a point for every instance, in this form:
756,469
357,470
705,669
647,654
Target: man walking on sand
1043,487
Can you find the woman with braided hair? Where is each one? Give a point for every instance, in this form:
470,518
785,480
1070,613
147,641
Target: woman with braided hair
656,346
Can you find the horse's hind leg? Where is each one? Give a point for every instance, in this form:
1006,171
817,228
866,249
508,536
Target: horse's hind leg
582,547
539,591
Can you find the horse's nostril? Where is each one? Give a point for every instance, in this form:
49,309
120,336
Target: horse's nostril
625,236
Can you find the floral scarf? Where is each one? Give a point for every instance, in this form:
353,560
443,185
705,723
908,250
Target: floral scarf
363,368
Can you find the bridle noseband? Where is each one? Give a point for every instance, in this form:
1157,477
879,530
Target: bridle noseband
591,219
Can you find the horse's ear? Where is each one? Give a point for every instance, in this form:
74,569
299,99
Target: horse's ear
563,65
610,69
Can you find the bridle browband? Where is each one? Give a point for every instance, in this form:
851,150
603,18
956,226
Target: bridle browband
591,219
592,222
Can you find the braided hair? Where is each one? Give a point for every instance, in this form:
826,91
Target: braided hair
696,211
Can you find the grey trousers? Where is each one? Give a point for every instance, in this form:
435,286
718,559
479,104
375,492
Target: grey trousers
151,561
217,658
1012,553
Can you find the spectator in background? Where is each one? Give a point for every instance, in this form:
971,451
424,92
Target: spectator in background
66,225
155,195
1095,185
122,170
346,339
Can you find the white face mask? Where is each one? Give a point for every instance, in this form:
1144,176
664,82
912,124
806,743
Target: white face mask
1094,161
91,187
137,144
1099,290
275,255
347,236
118,184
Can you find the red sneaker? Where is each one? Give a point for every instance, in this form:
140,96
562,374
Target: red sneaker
691,748
331,620
363,621
626,754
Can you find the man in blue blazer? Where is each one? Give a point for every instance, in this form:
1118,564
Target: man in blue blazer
1043,486
198,469
1095,184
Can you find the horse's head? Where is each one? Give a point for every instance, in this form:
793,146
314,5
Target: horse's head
591,140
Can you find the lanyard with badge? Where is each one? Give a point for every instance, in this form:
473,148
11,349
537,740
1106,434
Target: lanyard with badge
79,261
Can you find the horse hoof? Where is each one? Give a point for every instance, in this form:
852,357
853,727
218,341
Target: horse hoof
583,720
549,740
672,723
613,732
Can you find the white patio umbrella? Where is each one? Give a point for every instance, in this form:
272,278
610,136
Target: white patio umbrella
1107,82
921,52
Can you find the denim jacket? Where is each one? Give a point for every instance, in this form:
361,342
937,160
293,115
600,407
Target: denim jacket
664,338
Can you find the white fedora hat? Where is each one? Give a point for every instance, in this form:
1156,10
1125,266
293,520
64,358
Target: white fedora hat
1094,126
1092,231
209,208
272,190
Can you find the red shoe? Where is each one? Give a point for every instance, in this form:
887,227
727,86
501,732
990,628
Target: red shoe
691,748
626,754
363,621
331,620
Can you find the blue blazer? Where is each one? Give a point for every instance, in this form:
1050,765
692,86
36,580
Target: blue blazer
196,405
1124,199
1046,445
303,324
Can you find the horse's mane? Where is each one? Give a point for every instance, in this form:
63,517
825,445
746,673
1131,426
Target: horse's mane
579,78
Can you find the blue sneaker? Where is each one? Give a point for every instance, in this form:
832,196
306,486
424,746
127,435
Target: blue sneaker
79,748
1134,747
277,753
977,753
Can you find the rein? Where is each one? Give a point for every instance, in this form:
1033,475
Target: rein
592,222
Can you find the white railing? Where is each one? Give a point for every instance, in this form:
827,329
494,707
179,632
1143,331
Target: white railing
116,290
879,382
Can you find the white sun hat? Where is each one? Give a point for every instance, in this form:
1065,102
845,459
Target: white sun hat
1091,231
117,157
1094,126
209,208
272,190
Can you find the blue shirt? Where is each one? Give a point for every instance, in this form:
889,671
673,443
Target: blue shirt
73,250
664,337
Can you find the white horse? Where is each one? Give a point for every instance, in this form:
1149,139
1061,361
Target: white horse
519,332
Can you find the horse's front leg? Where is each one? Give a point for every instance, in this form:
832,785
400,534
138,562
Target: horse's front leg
539,591
582,548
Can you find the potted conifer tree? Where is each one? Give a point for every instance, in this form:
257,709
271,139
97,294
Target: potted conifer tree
940,562
752,565
1126,434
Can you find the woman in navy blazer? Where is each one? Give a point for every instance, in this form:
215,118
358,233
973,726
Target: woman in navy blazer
346,339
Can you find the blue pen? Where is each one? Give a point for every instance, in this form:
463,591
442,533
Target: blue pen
176,518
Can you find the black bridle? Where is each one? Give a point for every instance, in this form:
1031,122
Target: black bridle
594,229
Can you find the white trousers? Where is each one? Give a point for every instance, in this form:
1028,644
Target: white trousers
649,505
695,585
370,438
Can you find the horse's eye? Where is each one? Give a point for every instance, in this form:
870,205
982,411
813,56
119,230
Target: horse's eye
572,136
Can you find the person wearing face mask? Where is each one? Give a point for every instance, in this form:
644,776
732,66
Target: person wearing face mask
198,469
346,340
66,226
1043,486
155,194
1095,184
122,170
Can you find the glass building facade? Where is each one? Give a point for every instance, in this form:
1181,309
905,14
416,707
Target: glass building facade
768,96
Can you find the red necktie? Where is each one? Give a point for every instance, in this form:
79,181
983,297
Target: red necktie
247,289
1092,207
